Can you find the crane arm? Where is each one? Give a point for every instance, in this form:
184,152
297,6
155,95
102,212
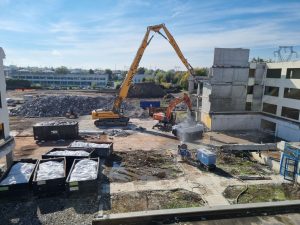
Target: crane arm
172,41
131,72
177,101
134,66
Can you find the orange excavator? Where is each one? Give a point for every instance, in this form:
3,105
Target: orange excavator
167,119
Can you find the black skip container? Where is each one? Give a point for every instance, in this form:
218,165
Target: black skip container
69,159
17,190
83,187
55,131
49,187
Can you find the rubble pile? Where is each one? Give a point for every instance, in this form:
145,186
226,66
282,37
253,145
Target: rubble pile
50,170
146,90
81,144
85,169
69,153
56,123
52,106
118,133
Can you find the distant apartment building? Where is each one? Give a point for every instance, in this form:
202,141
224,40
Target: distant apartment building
252,96
50,78
6,141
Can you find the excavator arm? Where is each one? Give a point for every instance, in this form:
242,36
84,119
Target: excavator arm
114,117
131,72
177,101
134,66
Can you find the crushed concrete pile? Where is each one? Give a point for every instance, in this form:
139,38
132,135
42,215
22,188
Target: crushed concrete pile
69,153
85,169
81,144
50,170
118,133
56,123
52,106
19,173
146,90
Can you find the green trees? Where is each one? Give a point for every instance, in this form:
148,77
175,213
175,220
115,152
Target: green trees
201,71
141,70
62,70
177,78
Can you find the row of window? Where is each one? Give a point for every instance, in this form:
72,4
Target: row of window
58,78
84,83
285,111
292,93
293,73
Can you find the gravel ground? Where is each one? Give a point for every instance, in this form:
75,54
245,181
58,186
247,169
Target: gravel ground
55,210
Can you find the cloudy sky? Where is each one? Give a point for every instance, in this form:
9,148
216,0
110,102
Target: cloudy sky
107,33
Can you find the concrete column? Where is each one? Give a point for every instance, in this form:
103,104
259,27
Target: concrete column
191,84
198,103
9,159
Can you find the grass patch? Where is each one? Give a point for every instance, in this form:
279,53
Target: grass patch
262,193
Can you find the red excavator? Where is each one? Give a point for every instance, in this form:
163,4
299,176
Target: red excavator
167,119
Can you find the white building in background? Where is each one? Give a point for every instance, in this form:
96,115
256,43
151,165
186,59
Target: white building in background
140,78
49,78
281,100
6,141
252,96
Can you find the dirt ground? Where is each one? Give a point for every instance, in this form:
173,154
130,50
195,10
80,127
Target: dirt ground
262,193
141,174
152,200
141,165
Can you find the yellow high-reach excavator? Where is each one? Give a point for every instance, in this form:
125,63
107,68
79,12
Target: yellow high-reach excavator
115,117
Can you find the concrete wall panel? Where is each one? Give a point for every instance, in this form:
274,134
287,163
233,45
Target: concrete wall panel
231,57
235,122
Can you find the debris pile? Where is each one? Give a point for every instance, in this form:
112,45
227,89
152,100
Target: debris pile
168,97
118,133
141,165
20,173
85,169
50,170
81,144
69,153
52,106
56,123
146,90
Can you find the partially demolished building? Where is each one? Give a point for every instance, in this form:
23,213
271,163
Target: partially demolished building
252,96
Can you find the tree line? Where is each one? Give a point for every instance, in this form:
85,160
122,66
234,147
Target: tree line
171,78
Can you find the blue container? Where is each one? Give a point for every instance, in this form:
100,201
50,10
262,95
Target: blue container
148,104
206,157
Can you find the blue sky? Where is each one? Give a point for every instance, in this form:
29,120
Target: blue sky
106,34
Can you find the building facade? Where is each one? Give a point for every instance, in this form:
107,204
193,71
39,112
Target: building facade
252,96
140,78
6,141
51,79
281,100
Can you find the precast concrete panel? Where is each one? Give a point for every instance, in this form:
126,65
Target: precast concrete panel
228,57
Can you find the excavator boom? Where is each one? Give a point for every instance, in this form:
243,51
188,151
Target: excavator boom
114,116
